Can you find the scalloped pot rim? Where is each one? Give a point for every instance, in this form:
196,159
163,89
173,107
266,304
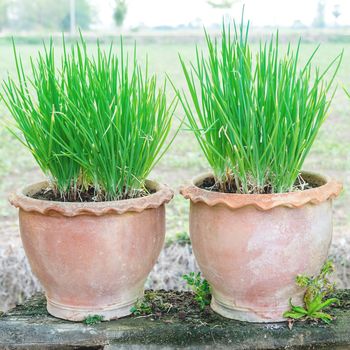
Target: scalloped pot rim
22,200
329,189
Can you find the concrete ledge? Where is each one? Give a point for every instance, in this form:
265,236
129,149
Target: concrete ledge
30,327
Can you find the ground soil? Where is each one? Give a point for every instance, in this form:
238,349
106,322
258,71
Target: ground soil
181,305
177,304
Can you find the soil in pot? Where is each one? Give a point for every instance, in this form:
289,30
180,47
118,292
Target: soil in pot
91,195
302,183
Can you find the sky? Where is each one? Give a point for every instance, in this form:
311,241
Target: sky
260,12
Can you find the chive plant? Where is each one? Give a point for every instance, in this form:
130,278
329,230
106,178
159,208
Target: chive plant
255,118
95,124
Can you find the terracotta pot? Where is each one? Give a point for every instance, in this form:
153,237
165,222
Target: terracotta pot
251,247
92,258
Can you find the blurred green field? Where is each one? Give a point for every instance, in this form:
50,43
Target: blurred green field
330,155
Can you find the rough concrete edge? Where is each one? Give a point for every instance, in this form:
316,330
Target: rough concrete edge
145,333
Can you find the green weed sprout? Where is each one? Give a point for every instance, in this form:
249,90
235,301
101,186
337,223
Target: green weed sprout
200,287
93,319
151,303
318,288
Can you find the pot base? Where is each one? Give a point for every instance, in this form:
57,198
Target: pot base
70,313
248,315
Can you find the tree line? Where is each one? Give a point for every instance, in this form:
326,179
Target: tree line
52,14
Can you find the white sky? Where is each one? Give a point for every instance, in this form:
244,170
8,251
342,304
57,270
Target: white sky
259,12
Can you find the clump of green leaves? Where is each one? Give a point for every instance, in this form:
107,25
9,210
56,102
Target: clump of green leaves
93,319
316,298
255,118
181,238
151,303
200,287
142,307
93,123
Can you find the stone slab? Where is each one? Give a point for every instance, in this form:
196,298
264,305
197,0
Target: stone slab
28,326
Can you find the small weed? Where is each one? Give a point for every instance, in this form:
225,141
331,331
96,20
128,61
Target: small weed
93,319
200,287
181,238
141,308
150,304
316,299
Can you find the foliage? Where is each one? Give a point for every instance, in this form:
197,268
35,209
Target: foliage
141,308
181,238
221,4
106,142
319,21
336,11
35,14
83,13
200,287
93,319
255,120
120,12
4,6
316,299
50,14
149,304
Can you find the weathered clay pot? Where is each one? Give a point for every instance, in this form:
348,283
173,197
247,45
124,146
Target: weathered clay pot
251,247
92,258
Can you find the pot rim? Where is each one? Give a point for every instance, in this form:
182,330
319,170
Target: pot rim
330,189
21,200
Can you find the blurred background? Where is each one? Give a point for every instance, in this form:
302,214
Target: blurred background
162,29
106,16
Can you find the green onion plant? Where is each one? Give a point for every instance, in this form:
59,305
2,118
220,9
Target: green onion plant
255,117
94,123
